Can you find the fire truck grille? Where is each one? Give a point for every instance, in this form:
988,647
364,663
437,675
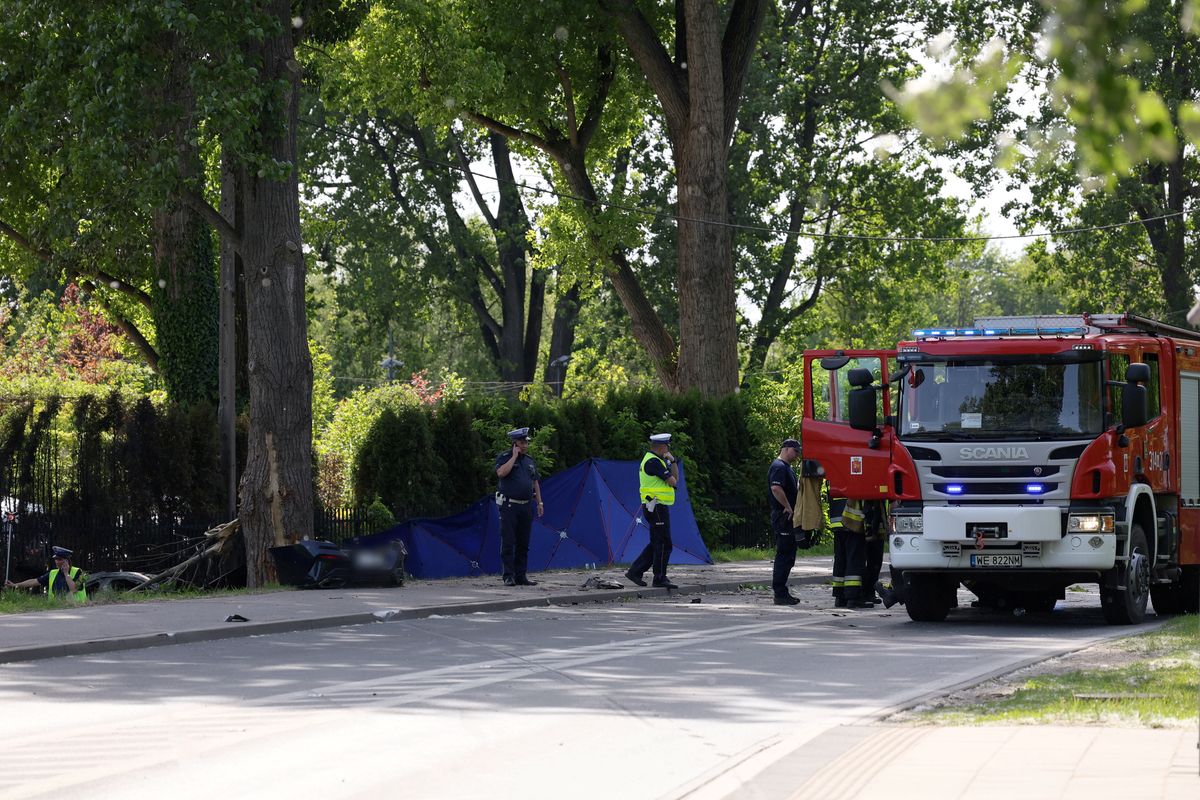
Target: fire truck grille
995,471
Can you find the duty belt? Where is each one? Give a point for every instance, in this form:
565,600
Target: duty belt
501,500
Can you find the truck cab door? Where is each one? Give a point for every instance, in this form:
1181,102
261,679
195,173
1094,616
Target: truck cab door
856,462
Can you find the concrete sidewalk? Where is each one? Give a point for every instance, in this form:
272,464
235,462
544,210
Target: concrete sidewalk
984,762
104,628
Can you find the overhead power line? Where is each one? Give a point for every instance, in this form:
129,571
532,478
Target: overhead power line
771,230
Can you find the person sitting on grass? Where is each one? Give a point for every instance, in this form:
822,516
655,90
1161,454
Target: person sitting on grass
63,580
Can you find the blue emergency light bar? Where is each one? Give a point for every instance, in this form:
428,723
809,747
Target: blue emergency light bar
930,333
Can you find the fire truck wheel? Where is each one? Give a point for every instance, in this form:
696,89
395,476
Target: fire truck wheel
1180,597
926,598
1128,605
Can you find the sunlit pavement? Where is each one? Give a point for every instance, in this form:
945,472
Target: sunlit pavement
660,697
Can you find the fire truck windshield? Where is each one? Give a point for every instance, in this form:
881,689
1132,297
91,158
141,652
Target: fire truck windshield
1001,399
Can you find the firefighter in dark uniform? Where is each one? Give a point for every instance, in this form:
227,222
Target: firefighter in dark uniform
657,478
64,580
849,553
519,496
782,484
874,534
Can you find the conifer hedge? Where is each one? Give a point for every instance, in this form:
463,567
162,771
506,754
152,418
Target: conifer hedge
433,459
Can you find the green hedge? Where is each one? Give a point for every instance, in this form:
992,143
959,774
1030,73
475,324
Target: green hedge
430,460
109,455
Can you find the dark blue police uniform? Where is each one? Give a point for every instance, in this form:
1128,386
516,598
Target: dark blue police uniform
782,475
515,498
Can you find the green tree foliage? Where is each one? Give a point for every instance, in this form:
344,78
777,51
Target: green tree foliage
1111,138
386,186
65,346
101,126
819,149
1098,57
1149,267
553,80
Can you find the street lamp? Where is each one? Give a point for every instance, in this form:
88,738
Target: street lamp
391,365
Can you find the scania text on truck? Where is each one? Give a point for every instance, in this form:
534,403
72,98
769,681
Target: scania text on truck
1022,456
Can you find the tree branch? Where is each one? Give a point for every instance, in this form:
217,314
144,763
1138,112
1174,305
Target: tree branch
737,50
474,186
128,328
508,131
223,227
113,282
23,242
591,116
654,60
564,80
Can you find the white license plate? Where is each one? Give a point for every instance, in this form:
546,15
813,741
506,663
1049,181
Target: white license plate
995,559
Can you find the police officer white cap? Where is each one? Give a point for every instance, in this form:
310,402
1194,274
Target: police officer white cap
660,438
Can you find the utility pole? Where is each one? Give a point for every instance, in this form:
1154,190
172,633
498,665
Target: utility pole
391,362
227,336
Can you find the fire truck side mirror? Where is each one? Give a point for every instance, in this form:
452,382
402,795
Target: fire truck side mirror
832,363
1135,406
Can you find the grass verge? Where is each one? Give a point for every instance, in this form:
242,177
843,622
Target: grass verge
763,553
1149,680
21,602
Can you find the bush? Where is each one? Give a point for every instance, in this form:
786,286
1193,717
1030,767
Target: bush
399,464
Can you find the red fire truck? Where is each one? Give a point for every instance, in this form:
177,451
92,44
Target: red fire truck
1022,456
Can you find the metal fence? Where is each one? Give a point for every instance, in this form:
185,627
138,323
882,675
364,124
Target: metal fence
128,543
148,545
339,524
750,527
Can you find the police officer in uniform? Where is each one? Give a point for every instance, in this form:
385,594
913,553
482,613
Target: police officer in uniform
781,480
64,580
519,496
657,477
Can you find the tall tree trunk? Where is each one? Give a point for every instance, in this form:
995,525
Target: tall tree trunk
707,298
509,228
699,92
276,488
562,334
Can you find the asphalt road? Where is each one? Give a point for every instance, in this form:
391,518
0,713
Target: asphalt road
645,699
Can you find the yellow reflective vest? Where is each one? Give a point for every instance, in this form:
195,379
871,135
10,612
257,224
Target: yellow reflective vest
651,486
79,594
